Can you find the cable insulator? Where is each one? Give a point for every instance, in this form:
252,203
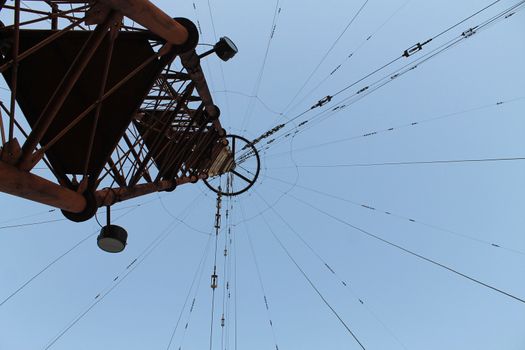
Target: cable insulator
416,48
214,280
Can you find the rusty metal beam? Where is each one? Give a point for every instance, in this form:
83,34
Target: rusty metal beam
110,196
26,185
152,18
121,181
191,61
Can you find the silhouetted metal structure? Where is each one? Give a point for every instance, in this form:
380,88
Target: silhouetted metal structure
106,106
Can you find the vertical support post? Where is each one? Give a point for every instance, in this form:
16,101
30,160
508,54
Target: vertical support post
14,71
2,131
108,215
54,19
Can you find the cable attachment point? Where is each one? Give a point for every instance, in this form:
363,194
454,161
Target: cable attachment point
263,136
322,102
469,33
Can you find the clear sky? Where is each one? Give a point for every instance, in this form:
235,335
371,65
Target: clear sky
452,213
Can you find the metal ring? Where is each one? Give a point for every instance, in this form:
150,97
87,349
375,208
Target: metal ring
250,182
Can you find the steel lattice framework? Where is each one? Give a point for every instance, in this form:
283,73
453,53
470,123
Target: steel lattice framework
112,109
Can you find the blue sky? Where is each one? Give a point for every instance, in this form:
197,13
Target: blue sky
459,209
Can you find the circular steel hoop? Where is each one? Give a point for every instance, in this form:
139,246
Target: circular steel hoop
250,181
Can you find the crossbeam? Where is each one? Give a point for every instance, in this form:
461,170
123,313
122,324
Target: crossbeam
151,17
29,186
